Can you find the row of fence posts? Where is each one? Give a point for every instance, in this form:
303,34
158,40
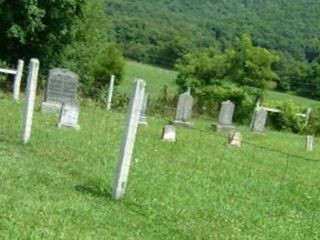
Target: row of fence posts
18,72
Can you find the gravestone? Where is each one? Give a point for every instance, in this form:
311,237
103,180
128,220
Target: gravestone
61,88
69,116
259,120
143,115
310,143
235,139
226,116
184,110
169,133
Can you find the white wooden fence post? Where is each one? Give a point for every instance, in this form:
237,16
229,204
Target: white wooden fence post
129,137
110,94
17,80
30,99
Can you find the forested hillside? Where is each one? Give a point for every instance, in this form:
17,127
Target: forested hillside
160,31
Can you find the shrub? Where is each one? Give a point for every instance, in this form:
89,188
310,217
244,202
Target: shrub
287,119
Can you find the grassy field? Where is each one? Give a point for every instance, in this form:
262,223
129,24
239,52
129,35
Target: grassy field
156,78
59,185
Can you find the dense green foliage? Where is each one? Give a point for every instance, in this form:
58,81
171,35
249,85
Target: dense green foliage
38,29
160,32
240,73
63,33
154,31
92,54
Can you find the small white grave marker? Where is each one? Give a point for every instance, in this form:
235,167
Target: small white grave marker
169,133
69,116
235,139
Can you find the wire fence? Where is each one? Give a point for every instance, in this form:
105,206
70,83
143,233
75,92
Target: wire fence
263,181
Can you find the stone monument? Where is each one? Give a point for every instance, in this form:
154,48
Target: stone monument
225,117
235,139
61,88
259,120
169,133
69,116
184,110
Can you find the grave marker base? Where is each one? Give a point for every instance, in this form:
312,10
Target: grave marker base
51,107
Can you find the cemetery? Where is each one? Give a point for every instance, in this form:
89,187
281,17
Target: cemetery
156,174
97,146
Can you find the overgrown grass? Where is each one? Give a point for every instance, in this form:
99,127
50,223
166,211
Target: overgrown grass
59,185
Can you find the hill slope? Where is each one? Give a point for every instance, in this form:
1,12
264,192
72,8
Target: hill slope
159,31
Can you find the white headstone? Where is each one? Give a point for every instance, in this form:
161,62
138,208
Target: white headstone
259,120
110,93
30,99
69,116
184,109
169,133
226,116
235,139
128,142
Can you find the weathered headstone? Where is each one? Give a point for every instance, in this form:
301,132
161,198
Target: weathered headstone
128,142
69,116
310,143
143,113
30,99
184,110
61,88
226,116
259,120
235,139
110,92
169,133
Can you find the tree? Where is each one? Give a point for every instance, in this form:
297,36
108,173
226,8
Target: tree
243,64
251,65
92,54
36,28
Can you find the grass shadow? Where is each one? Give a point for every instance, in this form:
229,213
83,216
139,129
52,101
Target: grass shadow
94,191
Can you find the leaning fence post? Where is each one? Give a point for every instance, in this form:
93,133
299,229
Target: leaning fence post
30,99
110,94
129,137
17,80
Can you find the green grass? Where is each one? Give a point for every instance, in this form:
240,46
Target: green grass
59,185
155,77
284,97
